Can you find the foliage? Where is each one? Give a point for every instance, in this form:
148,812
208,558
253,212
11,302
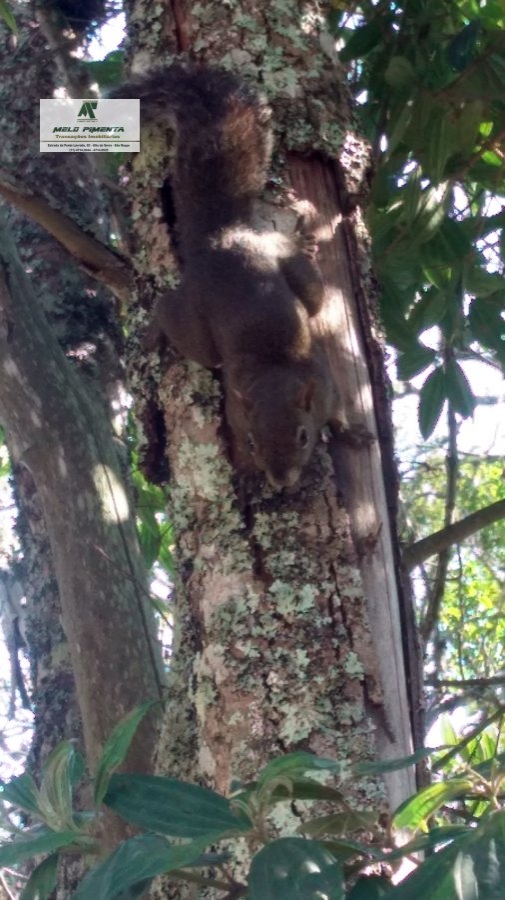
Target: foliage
7,16
471,624
431,77
460,817
107,71
155,534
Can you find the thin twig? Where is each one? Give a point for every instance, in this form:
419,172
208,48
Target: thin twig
437,592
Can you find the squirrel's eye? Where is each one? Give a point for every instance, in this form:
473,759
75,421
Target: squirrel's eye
302,437
251,444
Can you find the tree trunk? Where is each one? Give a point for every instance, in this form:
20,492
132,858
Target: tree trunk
68,462
288,611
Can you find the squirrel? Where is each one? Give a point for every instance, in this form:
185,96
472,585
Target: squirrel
246,298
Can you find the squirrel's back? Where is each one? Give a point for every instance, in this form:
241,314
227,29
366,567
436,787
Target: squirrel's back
223,140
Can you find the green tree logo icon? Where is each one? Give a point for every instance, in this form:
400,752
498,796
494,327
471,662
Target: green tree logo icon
87,109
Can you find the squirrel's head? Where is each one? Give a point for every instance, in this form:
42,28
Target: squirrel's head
281,429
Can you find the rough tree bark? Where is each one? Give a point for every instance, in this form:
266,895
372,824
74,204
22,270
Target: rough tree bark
288,612
60,409
65,442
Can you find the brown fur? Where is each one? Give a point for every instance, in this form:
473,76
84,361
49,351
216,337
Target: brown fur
245,299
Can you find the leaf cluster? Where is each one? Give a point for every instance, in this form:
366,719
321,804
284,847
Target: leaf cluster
459,818
430,78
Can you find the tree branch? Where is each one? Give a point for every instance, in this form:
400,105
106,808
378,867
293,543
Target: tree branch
453,534
465,682
437,593
99,261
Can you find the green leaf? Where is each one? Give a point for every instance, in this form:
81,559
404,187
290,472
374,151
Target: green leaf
466,122
482,283
488,326
107,71
459,392
431,309
55,796
429,217
399,125
439,147
42,881
150,545
399,72
295,764
34,841
430,840
393,765
21,792
172,807
117,747
471,867
431,403
411,195
6,15
461,48
398,331
414,360
338,823
135,863
415,812
450,248
297,789
433,880
365,38
343,850
294,869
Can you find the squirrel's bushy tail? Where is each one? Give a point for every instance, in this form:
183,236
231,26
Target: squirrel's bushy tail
223,133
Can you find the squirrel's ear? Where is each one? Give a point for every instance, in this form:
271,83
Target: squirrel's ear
246,403
306,395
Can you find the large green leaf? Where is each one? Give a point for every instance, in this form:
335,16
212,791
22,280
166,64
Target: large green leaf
364,38
471,868
450,247
377,767
414,360
338,823
295,789
55,796
429,217
399,72
487,325
438,148
433,880
135,863
6,15
116,748
32,843
459,392
42,880
461,48
295,764
172,807
415,811
432,398
482,283
294,869
21,792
